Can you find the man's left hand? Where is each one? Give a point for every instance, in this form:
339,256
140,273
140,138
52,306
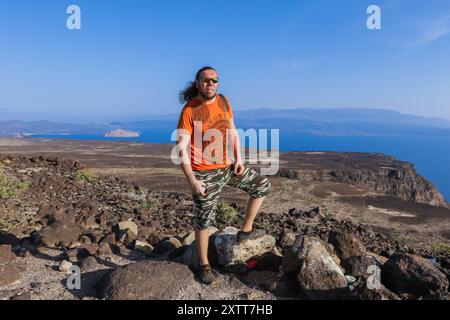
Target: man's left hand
239,169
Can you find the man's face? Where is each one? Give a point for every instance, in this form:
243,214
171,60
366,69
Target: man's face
206,85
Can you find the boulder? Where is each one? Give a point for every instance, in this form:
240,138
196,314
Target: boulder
89,223
121,250
127,237
154,238
130,225
59,233
82,252
288,239
88,249
143,247
316,272
407,273
105,249
357,266
190,237
107,219
110,238
95,236
190,256
64,266
313,213
229,252
146,280
50,214
270,261
84,239
126,232
167,246
89,264
346,244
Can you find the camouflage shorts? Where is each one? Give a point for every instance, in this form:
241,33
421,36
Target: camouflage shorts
252,182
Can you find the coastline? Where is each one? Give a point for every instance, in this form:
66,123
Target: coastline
290,161
428,155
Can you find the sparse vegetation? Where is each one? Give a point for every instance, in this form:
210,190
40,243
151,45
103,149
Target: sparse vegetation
403,240
11,187
138,194
327,213
127,207
441,248
7,224
225,212
148,205
84,175
285,187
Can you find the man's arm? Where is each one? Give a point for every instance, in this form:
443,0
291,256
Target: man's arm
198,187
239,164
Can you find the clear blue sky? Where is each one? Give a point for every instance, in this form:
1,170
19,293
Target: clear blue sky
132,57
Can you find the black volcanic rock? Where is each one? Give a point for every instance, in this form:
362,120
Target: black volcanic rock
146,280
60,233
406,273
347,245
358,266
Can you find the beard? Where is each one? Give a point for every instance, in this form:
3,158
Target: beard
208,95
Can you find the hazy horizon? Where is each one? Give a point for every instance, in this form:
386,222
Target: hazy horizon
7,115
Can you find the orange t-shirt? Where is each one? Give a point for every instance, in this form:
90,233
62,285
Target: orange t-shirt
211,116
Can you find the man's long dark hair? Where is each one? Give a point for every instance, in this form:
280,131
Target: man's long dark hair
191,90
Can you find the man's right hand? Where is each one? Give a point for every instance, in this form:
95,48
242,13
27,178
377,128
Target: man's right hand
198,188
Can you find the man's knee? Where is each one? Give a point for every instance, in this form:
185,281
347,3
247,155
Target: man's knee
205,210
262,189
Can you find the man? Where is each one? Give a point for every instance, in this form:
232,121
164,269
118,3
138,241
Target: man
206,111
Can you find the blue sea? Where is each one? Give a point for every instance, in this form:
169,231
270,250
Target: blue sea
431,155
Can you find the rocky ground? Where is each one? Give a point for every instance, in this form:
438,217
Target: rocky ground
131,237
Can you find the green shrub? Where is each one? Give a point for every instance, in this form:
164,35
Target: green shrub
11,187
84,175
149,205
285,187
441,248
327,213
225,212
7,224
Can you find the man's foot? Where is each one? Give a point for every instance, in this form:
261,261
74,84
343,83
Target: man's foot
251,235
206,275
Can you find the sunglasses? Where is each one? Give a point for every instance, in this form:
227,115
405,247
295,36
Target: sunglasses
207,80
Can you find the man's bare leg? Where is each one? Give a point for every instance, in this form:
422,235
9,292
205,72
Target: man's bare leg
202,237
253,206
205,273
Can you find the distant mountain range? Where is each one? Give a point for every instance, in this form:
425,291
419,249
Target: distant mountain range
27,128
332,122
